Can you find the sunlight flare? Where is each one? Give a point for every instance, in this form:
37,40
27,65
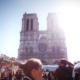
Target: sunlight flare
69,20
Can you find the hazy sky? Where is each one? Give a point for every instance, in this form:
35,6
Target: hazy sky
11,13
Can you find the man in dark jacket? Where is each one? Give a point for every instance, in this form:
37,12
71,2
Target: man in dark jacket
63,72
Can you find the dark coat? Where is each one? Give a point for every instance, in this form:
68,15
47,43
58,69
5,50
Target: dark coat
61,73
18,76
49,77
10,76
76,76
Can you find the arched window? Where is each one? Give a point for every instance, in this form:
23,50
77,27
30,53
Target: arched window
53,49
31,49
27,25
58,49
31,24
26,50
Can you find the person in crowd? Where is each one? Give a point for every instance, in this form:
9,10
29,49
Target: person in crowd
6,75
32,69
2,76
44,76
52,76
22,73
49,76
76,76
46,73
10,75
18,75
64,71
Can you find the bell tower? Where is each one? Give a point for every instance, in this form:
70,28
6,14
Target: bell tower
30,22
28,34
52,21
57,34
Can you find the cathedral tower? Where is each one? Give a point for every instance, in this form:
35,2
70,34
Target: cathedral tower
48,45
58,34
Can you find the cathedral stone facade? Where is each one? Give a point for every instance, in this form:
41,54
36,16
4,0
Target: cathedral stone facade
48,45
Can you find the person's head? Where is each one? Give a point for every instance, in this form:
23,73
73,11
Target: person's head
63,62
33,68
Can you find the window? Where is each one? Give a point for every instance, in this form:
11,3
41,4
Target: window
21,46
31,24
26,37
53,48
21,50
22,37
58,49
35,36
22,42
34,45
26,49
31,49
31,36
53,36
27,25
49,49
34,41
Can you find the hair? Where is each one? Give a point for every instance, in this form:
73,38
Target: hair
32,63
63,61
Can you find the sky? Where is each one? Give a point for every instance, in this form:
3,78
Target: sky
11,13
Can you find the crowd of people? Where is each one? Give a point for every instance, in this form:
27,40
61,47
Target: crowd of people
10,75
6,75
33,70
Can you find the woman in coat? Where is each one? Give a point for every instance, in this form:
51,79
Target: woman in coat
32,69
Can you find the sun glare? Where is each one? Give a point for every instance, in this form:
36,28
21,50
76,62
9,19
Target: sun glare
69,20
69,16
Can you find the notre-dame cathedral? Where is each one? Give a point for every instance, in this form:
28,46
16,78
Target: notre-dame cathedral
48,45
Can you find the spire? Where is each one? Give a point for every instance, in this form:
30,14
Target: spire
24,14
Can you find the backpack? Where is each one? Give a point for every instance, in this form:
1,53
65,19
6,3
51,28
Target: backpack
64,74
